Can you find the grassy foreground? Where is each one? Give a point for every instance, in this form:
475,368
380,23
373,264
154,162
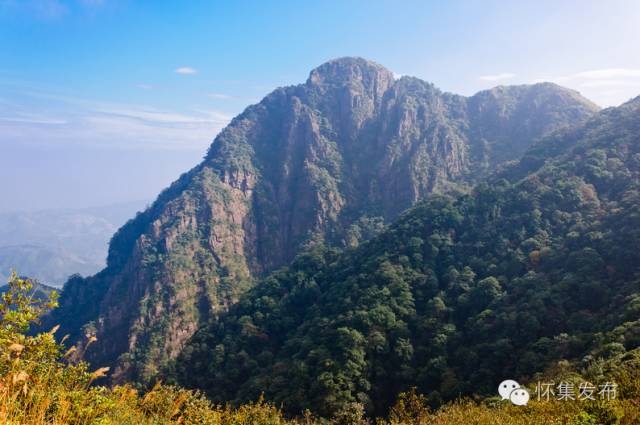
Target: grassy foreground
40,383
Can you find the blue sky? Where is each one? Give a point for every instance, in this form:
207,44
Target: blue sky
103,101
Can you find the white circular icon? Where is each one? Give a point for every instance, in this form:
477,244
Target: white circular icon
506,387
519,397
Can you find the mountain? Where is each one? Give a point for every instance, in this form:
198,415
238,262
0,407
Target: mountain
327,161
53,265
39,291
51,245
537,266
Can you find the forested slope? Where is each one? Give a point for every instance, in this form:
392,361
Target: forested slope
540,264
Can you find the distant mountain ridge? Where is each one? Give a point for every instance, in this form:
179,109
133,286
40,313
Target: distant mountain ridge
51,245
39,291
301,167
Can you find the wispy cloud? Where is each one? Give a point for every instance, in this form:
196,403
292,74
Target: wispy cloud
598,74
219,96
497,77
611,83
151,115
186,70
32,119
144,86
63,120
606,86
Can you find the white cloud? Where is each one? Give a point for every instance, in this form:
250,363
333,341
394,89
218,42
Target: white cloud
219,96
605,86
598,74
152,115
497,77
33,119
611,83
124,126
185,70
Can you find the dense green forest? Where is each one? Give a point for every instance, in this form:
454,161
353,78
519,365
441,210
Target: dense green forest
539,264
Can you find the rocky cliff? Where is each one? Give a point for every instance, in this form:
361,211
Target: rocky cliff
300,167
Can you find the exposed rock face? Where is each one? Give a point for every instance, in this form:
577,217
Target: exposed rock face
297,168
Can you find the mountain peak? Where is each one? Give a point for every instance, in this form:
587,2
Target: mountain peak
349,70
634,102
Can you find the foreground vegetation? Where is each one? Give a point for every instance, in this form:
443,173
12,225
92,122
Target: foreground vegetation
42,384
